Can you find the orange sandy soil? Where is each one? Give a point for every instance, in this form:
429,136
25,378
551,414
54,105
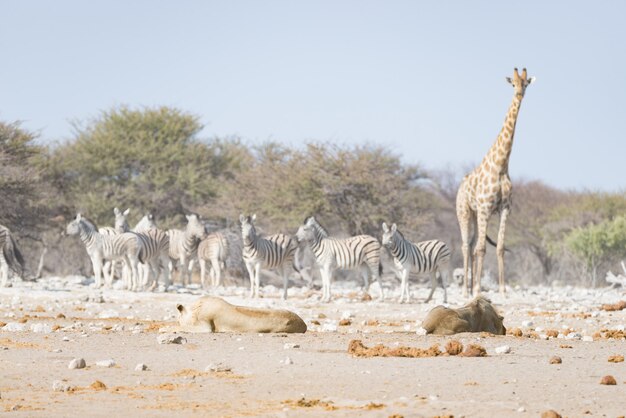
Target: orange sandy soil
323,379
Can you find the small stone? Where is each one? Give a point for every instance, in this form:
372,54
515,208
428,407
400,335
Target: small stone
105,363
171,339
57,350
588,338
217,368
66,338
60,386
527,324
289,346
556,360
77,363
288,360
141,367
608,380
521,409
505,349
551,413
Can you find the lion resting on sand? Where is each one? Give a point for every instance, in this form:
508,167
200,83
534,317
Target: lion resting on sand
477,316
211,314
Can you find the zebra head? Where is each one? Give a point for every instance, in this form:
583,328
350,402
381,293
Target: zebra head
146,223
388,235
195,227
248,231
73,228
306,232
121,224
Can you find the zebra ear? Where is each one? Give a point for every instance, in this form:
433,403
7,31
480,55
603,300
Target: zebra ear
116,211
126,212
79,217
253,217
385,227
394,228
242,218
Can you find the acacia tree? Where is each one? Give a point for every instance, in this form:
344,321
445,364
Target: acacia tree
148,159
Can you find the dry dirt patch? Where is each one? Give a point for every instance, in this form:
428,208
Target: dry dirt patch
453,348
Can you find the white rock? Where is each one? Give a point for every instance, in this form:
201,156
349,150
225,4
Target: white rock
588,338
66,338
347,315
217,367
539,329
14,327
77,363
108,313
105,363
521,409
60,386
41,328
504,349
171,339
141,367
329,327
289,346
421,331
574,336
288,360
527,324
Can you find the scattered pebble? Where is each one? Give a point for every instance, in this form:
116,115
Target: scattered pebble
556,360
60,386
588,338
608,380
141,367
77,363
171,339
289,346
551,413
288,361
105,363
505,349
527,324
217,368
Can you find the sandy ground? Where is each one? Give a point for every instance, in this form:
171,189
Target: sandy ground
47,324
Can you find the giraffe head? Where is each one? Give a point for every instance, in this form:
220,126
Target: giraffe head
520,82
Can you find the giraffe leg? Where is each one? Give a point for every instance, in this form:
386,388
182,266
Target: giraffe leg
500,249
479,251
464,215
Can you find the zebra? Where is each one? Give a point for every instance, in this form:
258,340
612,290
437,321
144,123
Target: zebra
424,257
273,252
10,256
154,248
336,253
213,249
184,244
102,247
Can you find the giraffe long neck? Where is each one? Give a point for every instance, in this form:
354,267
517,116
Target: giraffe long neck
498,155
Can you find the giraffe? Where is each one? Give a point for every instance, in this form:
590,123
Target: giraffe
487,190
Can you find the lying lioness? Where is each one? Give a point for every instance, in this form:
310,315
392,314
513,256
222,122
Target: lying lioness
211,314
478,315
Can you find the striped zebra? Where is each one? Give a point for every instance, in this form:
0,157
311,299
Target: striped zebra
423,257
213,249
184,244
273,252
336,253
153,252
102,247
10,256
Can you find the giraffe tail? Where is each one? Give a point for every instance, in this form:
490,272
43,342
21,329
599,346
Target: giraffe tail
495,244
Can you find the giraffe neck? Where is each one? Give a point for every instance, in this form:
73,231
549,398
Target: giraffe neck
498,155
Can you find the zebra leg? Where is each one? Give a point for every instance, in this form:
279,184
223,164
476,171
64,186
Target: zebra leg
257,279
326,273
96,263
285,280
442,280
190,271
404,288
433,284
203,273
250,269
4,271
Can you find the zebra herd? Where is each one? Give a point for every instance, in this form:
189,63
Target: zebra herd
148,255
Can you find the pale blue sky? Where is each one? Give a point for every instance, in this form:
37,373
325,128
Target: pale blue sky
424,78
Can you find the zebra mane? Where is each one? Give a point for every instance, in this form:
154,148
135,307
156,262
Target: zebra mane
323,232
89,222
400,233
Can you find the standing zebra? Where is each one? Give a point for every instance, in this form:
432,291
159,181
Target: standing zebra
183,245
147,226
154,248
213,249
102,247
335,253
423,257
273,252
10,256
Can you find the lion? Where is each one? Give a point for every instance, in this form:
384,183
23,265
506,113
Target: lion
477,316
212,314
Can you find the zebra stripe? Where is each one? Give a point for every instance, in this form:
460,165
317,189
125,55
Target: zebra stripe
422,257
101,247
184,244
10,256
335,253
273,252
214,249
